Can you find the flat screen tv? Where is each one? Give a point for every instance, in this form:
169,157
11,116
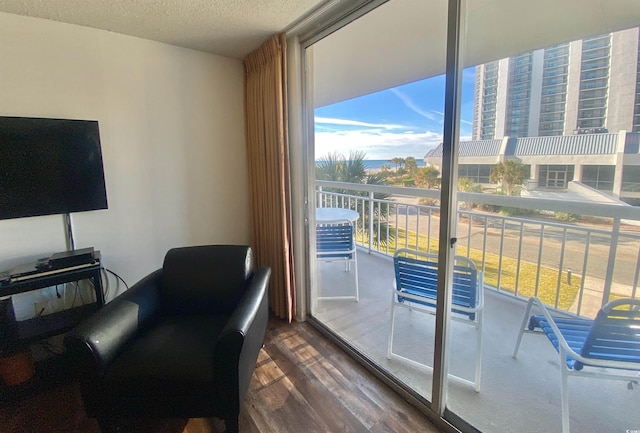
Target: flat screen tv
50,166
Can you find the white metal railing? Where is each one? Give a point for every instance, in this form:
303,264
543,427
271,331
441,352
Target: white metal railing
575,267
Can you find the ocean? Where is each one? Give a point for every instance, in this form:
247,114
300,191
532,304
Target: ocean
376,164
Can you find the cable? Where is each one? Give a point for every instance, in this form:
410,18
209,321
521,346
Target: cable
75,295
118,277
79,292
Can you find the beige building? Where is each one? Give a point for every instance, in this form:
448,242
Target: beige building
607,163
584,86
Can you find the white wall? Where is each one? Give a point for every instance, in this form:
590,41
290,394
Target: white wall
172,131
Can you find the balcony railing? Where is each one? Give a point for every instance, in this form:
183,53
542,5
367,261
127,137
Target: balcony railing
573,266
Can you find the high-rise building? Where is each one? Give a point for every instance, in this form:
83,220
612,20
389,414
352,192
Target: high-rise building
585,86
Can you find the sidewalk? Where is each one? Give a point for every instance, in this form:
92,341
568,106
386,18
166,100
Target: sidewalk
592,296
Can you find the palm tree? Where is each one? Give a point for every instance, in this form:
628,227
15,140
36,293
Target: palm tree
429,177
510,174
398,162
466,185
329,167
411,165
335,167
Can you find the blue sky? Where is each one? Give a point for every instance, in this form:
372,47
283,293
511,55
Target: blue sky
402,121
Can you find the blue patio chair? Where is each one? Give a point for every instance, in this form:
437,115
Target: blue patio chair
416,288
335,242
605,348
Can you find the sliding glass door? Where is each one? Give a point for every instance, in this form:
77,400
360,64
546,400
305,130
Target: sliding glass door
451,147
554,89
375,117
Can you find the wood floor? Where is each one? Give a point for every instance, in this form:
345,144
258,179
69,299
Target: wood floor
303,384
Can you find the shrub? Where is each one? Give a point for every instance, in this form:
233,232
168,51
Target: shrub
515,211
566,216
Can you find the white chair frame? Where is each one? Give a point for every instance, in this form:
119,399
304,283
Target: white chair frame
346,255
564,350
461,313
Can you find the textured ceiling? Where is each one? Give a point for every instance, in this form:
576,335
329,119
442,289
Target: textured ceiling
231,28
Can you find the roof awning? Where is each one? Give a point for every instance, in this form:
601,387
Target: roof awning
405,40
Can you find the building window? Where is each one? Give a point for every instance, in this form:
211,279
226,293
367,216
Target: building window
478,173
599,177
555,176
595,42
595,54
592,103
591,123
591,113
594,84
594,73
487,134
592,94
555,70
561,98
631,178
552,108
551,128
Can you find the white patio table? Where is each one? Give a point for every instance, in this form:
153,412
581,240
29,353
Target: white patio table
329,214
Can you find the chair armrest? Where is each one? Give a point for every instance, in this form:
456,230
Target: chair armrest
97,341
242,337
552,323
563,346
480,301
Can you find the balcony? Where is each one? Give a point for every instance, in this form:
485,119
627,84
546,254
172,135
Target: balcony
573,267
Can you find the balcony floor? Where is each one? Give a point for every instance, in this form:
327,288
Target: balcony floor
517,395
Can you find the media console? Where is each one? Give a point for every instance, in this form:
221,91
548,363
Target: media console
61,321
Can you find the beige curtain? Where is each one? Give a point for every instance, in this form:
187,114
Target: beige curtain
265,85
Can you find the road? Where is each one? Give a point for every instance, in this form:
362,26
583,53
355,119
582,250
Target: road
626,257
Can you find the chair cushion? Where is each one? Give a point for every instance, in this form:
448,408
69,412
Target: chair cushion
174,357
205,279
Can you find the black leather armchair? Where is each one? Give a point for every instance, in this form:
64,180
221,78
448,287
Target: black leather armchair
181,343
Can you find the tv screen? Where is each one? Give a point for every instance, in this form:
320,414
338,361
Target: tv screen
50,166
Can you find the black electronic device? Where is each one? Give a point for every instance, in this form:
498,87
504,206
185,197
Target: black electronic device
50,166
67,259
23,270
52,264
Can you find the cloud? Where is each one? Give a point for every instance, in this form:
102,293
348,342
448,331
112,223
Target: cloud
436,116
347,122
382,145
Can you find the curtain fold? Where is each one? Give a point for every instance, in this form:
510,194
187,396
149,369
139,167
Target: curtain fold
265,86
